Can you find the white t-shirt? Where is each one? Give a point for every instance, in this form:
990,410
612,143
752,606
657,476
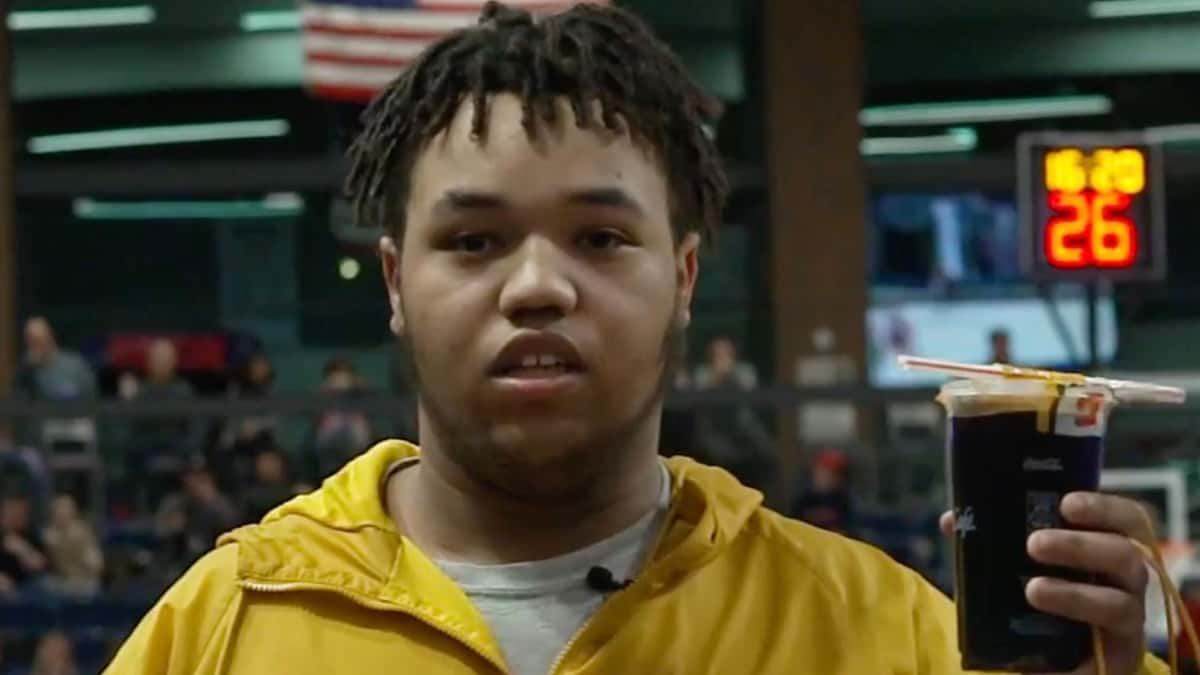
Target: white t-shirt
534,608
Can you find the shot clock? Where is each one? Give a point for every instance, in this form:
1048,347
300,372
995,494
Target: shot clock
1091,207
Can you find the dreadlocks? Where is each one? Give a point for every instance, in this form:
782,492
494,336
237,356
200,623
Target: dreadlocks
588,55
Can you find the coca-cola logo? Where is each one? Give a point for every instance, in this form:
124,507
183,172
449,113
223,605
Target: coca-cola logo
1047,464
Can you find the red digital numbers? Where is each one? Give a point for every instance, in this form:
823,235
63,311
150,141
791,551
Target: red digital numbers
1090,229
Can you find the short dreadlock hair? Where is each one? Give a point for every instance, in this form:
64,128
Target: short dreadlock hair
588,54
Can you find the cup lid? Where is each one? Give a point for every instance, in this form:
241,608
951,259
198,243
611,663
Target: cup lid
1125,391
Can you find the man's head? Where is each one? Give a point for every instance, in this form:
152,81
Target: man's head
161,361
40,343
829,471
544,187
722,355
198,483
270,467
259,373
64,510
340,375
15,513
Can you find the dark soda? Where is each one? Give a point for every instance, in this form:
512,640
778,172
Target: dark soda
1007,480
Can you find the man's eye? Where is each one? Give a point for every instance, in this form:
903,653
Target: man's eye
603,240
474,243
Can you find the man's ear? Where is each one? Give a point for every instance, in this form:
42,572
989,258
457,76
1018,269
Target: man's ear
390,257
687,270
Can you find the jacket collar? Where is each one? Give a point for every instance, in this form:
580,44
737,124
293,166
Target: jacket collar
340,538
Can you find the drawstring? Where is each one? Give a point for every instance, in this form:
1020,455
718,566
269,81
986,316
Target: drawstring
1172,600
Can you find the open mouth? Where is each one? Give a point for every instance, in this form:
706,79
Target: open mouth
537,355
538,365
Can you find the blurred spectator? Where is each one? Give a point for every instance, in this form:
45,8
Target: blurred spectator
53,374
723,367
270,488
188,522
678,423
157,435
826,502
732,436
50,372
243,437
22,469
339,435
76,561
55,655
22,555
1000,345
158,445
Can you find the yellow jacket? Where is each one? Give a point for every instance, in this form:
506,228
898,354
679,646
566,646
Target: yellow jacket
327,585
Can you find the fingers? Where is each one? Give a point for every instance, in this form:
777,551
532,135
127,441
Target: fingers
1110,609
1113,556
946,523
1111,513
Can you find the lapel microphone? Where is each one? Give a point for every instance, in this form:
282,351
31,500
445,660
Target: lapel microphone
601,580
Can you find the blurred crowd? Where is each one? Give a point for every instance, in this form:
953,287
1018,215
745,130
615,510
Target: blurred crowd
171,485
84,568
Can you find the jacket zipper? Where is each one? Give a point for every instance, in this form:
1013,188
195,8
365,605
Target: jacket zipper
283,587
639,579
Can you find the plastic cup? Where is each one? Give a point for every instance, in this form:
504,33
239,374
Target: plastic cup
1014,449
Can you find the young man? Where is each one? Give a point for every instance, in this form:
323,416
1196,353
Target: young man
545,186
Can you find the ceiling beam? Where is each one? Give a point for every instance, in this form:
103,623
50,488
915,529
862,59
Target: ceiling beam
1032,50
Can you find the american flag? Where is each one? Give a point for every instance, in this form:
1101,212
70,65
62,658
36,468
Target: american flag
353,48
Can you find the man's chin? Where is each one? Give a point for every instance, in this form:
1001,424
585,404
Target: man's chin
540,443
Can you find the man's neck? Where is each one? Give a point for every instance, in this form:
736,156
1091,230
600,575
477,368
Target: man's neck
453,517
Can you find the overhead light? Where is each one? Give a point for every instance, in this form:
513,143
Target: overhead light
349,268
96,17
272,19
279,205
163,135
974,112
1177,133
1119,9
954,140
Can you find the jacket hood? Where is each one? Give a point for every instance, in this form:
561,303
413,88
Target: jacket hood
341,536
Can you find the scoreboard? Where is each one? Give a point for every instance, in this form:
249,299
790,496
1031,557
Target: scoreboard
1091,207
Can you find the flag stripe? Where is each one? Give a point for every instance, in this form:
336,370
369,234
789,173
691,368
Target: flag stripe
365,47
350,32
387,19
334,74
354,48
341,59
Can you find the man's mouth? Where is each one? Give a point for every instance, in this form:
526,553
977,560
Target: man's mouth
537,366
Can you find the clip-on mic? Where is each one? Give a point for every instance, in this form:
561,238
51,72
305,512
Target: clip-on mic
601,580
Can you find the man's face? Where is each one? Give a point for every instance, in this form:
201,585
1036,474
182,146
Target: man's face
64,510
539,287
14,514
722,355
39,342
161,361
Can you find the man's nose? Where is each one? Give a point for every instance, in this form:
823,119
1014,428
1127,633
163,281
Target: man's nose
538,289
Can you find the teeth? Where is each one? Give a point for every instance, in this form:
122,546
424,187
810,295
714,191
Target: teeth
540,360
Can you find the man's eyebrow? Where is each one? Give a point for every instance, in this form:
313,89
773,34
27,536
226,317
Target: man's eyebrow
459,200
611,197
469,200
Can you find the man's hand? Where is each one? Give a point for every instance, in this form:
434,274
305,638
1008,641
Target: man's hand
1117,604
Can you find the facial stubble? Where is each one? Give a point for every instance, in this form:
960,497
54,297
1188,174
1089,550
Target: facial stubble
472,446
